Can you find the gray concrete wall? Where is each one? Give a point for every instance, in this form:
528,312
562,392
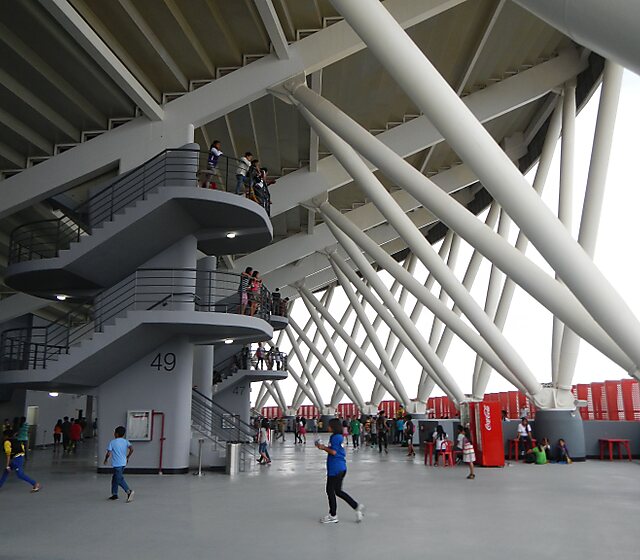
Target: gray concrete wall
14,405
143,387
235,399
596,429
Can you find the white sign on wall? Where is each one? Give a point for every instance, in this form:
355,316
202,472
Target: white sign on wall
139,425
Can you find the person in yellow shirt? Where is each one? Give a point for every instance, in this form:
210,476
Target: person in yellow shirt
14,451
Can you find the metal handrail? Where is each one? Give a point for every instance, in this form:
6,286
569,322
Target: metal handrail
247,427
46,238
145,290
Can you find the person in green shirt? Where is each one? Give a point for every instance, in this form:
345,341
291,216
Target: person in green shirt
22,435
537,455
355,432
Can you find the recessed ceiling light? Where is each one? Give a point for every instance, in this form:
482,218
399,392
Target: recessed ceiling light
228,340
61,297
231,235
53,394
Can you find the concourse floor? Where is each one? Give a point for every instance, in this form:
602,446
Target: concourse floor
583,511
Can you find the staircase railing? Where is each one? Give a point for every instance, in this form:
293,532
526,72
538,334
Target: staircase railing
45,239
221,426
145,290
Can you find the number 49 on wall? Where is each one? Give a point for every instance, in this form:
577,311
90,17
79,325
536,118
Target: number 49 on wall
165,361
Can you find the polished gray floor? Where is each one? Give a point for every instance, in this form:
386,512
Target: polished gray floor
588,510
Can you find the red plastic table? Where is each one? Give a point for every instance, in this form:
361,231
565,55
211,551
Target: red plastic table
428,452
611,442
514,444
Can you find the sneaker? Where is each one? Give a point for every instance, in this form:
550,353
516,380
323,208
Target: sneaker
130,494
386,450
36,488
112,497
359,513
329,519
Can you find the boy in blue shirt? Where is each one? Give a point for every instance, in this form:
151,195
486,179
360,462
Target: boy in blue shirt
336,471
119,449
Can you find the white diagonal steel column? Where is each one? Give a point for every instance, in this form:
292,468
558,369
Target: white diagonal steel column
262,396
554,296
593,198
393,315
314,373
508,290
389,378
326,298
565,198
420,247
468,335
473,143
436,324
343,379
317,400
275,396
410,264
315,311
337,394
496,279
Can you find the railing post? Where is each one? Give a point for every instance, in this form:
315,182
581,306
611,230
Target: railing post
30,245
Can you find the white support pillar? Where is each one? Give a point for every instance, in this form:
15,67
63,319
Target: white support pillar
389,378
593,198
394,315
263,395
468,335
522,242
314,373
420,247
565,198
392,340
326,298
344,370
317,398
496,280
337,394
337,377
554,296
274,395
401,57
452,257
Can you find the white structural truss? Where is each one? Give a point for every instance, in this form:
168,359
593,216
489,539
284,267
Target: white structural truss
371,203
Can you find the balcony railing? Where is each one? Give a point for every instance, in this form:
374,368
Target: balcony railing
184,289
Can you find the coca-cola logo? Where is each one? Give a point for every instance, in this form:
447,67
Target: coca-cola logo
487,417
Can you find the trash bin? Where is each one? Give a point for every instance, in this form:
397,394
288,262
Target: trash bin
233,458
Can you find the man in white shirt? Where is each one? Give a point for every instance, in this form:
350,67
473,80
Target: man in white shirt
241,171
524,435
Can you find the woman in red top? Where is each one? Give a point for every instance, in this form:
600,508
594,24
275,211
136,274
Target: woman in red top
76,433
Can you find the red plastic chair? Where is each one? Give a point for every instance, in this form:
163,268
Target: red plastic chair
446,452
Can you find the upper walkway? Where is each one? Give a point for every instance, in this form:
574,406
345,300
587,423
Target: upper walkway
585,510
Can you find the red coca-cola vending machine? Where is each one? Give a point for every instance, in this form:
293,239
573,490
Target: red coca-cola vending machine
485,424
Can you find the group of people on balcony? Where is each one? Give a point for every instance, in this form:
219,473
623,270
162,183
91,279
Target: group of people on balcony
252,180
254,299
271,358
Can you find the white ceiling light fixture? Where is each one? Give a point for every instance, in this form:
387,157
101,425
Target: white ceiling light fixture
231,235
228,340
53,394
61,297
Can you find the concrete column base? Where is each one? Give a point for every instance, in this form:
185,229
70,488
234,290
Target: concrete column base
565,424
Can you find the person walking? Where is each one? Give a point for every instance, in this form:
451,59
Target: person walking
302,430
355,432
75,435
409,430
336,472
382,428
119,450
23,436
15,453
66,434
57,435
263,442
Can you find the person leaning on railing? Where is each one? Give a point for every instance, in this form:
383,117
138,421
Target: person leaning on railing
242,170
212,163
